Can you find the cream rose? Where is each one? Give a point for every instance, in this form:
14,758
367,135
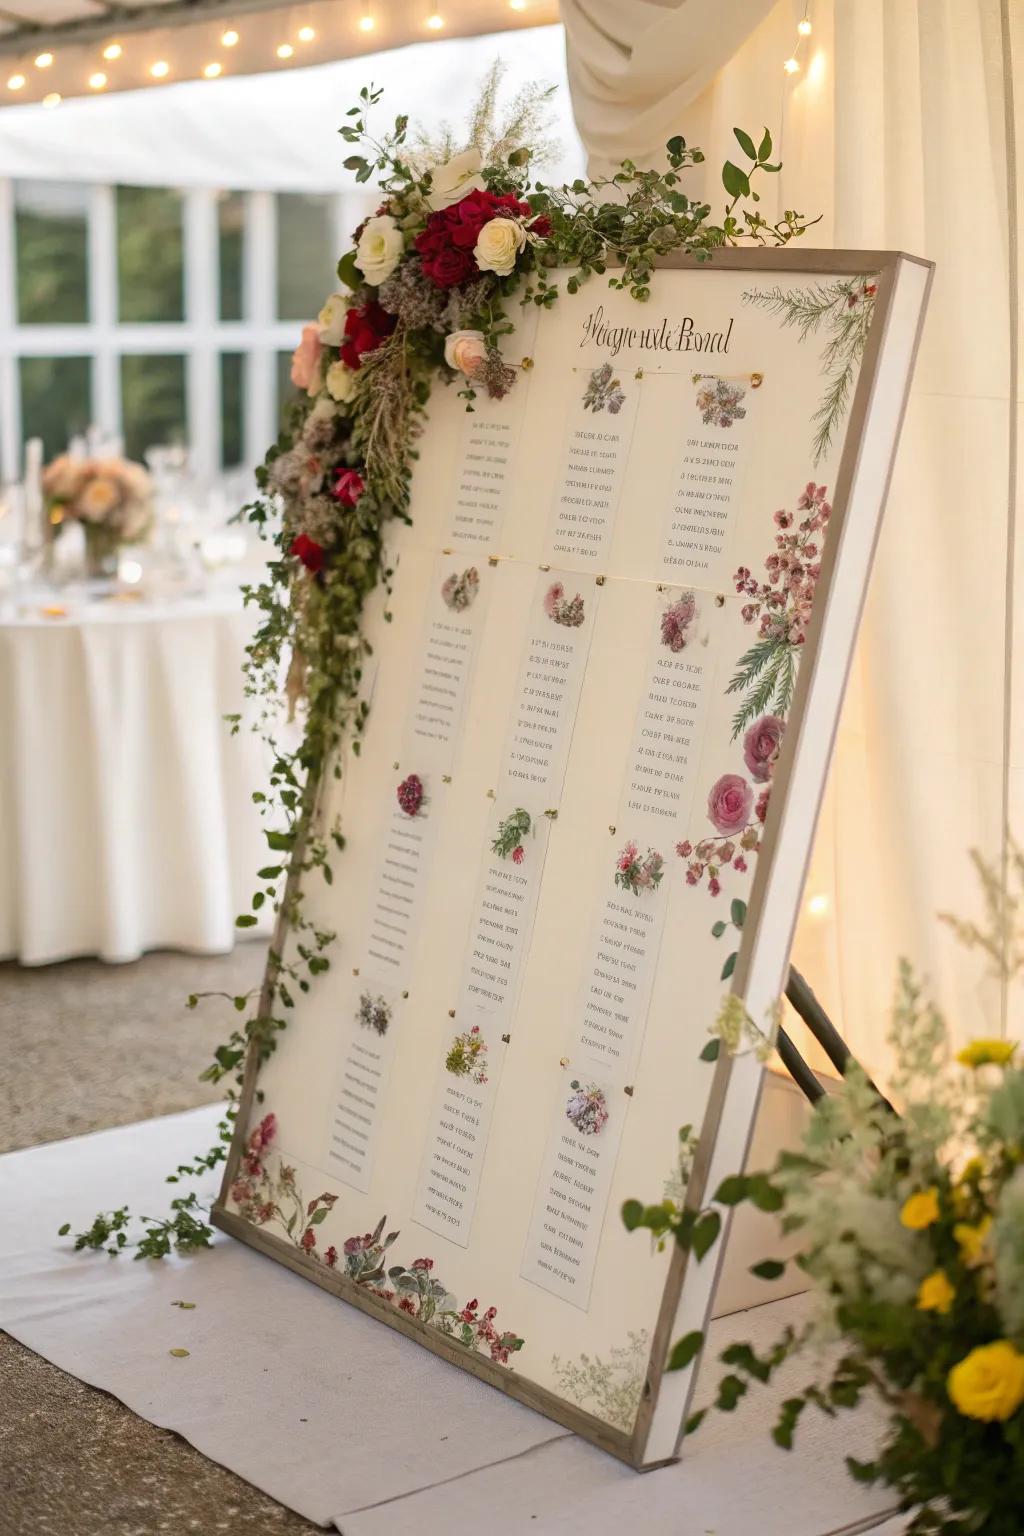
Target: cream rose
340,382
451,182
498,245
331,320
465,351
323,409
380,249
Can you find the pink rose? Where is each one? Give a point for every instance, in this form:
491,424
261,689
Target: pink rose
306,360
761,746
729,803
465,351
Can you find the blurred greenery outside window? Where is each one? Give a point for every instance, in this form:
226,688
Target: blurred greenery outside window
56,399
153,402
51,232
232,409
231,234
306,258
150,254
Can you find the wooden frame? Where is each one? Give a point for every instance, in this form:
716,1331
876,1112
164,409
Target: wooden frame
871,434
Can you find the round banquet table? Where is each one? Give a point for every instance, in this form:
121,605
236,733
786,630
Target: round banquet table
126,814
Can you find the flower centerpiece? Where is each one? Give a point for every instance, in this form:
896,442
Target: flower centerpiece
112,500
911,1238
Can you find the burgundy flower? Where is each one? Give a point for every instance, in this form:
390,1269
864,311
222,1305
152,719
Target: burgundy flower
729,803
352,1246
446,245
541,226
449,266
349,485
518,854
406,1304
410,794
309,552
422,1264
331,1257
761,746
308,1240
366,326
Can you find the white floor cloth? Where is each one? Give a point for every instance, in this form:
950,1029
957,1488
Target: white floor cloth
349,1423
126,814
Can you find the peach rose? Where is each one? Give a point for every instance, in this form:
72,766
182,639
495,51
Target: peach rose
465,351
306,361
98,499
64,478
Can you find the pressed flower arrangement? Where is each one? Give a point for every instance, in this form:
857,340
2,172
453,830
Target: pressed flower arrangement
911,1239
424,297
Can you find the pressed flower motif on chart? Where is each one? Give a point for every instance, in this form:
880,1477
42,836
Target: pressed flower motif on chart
459,592
467,1056
561,609
587,1108
604,391
638,872
374,1013
718,400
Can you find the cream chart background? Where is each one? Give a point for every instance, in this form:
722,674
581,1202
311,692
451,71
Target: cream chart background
670,1083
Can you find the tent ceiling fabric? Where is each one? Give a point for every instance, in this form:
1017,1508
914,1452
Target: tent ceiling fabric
186,34
278,131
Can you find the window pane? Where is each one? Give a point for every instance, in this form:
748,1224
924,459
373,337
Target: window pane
56,400
232,409
306,259
286,391
52,236
150,259
152,403
231,246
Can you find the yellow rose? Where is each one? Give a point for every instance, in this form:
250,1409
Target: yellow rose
989,1383
498,244
935,1294
984,1053
921,1210
971,1240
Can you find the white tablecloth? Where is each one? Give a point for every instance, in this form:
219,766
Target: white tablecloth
353,1425
126,819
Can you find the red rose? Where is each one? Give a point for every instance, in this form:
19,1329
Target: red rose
449,267
365,328
348,486
541,226
309,552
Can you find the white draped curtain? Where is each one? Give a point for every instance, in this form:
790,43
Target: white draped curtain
899,129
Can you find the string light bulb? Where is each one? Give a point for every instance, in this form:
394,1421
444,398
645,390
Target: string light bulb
435,21
306,34
817,905
804,27
97,81
160,69
43,60
366,22
16,83
229,38
791,66
52,99
517,5
285,50
113,51
212,70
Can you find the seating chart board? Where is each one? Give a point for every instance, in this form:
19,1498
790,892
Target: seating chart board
606,681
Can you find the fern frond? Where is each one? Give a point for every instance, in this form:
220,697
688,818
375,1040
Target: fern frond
752,664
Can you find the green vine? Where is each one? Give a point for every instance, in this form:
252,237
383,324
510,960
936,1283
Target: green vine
340,473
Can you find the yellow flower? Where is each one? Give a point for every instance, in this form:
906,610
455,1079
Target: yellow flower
971,1240
921,1210
983,1053
973,1169
989,1383
935,1294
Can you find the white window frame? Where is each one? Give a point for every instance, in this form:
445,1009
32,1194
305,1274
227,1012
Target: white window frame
201,337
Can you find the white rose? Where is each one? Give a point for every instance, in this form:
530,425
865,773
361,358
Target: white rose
456,179
498,245
331,320
340,382
464,351
380,249
323,409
